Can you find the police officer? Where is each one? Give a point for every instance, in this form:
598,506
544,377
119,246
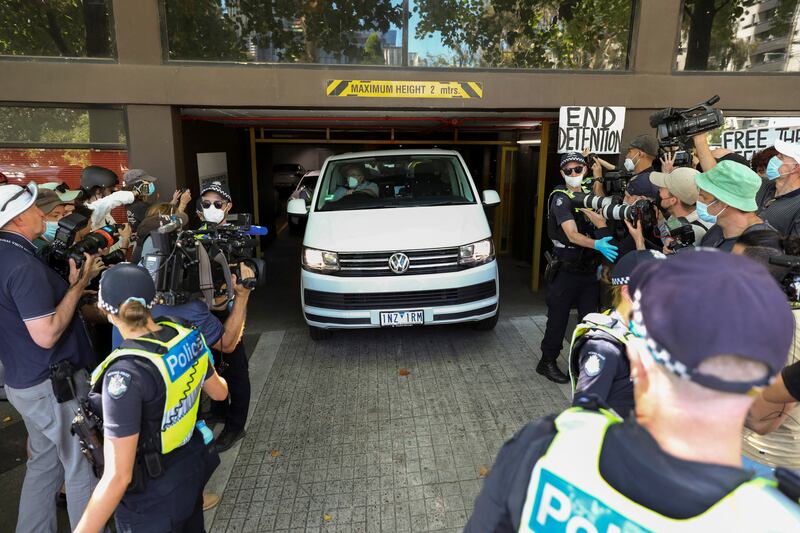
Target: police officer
214,205
639,157
147,393
40,328
676,466
598,363
571,274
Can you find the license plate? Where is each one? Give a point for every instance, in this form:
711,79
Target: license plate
402,318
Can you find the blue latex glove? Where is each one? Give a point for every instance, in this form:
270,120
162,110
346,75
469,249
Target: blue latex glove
606,248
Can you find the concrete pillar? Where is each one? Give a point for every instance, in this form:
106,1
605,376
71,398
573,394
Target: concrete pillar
138,32
156,145
655,32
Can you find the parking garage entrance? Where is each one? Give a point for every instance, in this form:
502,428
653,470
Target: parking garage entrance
267,156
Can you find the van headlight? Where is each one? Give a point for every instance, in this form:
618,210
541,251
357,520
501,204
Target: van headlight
320,260
476,253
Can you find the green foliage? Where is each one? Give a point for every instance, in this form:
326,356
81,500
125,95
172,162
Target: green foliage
373,51
59,125
568,34
69,28
198,29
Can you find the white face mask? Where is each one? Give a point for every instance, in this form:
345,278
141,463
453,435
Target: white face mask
352,182
573,181
213,215
629,164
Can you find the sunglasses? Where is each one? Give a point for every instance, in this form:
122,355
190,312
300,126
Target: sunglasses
573,170
216,203
20,193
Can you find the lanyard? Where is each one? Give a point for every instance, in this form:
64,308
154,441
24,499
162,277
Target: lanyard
18,245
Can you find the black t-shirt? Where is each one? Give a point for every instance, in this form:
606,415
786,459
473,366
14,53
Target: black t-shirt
791,379
604,370
782,212
137,212
631,461
715,237
134,393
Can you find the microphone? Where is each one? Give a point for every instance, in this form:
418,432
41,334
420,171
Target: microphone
257,230
171,226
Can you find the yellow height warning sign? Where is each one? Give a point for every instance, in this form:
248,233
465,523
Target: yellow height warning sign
404,89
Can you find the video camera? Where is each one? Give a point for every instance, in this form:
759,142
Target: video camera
64,247
675,126
616,182
683,237
613,209
791,282
186,264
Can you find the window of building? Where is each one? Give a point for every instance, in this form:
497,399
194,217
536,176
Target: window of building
65,28
558,34
54,144
739,36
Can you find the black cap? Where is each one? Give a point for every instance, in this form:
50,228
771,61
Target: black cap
94,176
125,282
707,303
216,187
646,143
571,157
736,158
642,186
621,273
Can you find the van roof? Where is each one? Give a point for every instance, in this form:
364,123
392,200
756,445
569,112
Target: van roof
385,153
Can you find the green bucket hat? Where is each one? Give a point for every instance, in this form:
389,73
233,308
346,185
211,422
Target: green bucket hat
732,183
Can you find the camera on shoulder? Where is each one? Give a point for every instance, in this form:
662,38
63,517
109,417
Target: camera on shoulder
675,126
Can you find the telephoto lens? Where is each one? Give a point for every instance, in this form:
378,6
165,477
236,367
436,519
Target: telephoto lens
97,240
590,201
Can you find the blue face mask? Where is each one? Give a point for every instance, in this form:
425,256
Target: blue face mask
703,214
773,168
151,189
50,231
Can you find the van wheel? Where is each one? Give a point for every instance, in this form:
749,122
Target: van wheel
487,324
319,334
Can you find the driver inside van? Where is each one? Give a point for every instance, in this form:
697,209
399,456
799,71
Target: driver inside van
355,182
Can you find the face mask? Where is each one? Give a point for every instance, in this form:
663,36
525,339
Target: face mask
773,168
151,189
629,164
213,215
573,181
703,214
352,182
50,231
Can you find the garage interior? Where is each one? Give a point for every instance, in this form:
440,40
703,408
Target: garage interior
502,152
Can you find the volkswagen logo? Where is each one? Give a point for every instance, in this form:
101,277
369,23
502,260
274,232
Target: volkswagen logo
398,263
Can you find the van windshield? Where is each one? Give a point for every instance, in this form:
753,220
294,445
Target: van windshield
394,181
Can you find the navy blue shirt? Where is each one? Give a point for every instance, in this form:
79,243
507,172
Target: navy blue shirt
631,461
29,289
193,312
604,370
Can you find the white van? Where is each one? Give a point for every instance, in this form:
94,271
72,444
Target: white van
397,238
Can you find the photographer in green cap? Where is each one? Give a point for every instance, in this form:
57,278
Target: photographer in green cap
727,199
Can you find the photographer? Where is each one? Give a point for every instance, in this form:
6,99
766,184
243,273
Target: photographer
709,158
45,354
54,209
641,153
677,194
779,198
571,272
726,198
214,205
771,437
143,185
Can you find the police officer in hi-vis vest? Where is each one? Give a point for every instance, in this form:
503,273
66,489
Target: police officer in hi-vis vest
598,362
156,457
676,465
572,270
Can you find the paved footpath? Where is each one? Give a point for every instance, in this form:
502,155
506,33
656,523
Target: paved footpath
379,430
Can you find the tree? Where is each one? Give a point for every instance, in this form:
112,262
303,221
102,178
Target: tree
69,28
199,29
373,51
575,34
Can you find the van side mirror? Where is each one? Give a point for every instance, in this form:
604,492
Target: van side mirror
490,198
297,207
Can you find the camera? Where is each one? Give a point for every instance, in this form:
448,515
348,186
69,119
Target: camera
791,281
614,209
683,237
682,158
675,126
615,183
188,264
64,247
